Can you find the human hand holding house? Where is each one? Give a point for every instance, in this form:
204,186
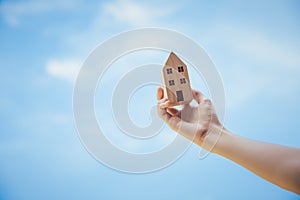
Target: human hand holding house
277,164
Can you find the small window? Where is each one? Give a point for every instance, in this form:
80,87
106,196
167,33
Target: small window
169,71
171,82
182,81
180,69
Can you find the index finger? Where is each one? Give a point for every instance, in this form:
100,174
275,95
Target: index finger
198,96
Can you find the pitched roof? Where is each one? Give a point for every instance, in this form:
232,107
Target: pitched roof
173,61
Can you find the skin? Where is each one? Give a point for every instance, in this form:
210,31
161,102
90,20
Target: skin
278,164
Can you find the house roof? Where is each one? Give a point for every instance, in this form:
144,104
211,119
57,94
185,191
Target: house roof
173,61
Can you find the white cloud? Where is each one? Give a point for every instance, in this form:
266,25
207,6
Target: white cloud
267,50
134,13
257,45
255,62
126,12
13,12
244,84
63,69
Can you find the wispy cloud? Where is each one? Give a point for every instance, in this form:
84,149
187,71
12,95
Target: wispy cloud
244,84
63,69
136,13
266,50
13,12
256,62
127,12
258,45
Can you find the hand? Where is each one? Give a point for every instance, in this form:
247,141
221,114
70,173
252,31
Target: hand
192,122
278,164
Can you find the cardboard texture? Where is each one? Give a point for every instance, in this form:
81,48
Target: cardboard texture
176,81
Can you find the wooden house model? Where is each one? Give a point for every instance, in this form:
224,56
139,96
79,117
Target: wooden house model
176,81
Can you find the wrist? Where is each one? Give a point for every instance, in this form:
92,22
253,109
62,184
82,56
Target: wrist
224,140
215,139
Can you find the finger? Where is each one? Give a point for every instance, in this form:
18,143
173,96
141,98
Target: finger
169,119
196,95
163,100
172,122
165,115
199,97
165,104
173,111
160,93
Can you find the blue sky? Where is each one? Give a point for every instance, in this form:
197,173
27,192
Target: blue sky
255,46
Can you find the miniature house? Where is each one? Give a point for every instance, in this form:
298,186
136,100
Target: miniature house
176,80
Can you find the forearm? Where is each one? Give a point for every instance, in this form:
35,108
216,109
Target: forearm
275,163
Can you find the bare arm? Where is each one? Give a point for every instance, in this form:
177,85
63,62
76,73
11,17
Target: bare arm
278,164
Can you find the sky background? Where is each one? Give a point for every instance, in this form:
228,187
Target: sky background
255,46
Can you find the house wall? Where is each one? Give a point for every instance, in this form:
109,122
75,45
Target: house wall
170,91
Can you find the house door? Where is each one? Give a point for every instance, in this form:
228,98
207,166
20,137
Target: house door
179,95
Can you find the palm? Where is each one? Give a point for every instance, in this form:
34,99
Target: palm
191,121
